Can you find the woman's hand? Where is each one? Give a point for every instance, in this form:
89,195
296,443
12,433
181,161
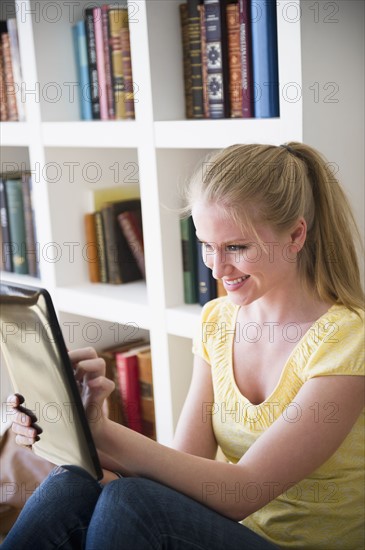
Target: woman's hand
89,372
94,387
24,423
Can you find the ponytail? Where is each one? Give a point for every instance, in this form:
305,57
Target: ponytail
329,258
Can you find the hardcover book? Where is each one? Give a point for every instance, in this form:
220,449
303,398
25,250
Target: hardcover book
80,47
217,58
122,265
91,56
195,53
265,58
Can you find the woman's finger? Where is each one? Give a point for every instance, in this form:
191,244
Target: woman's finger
82,354
90,368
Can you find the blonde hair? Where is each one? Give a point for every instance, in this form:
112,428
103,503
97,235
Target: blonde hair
276,186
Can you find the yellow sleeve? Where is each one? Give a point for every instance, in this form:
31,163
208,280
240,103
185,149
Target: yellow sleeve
207,328
336,346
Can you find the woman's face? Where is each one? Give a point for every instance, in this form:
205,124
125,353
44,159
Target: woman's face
249,269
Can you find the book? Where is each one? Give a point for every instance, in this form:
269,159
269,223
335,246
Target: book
122,265
207,285
100,62
234,60
8,74
14,197
3,101
16,65
130,222
80,47
146,393
91,250
246,58
183,12
107,62
195,53
203,38
189,259
118,18
91,62
265,58
127,71
100,240
114,401
6,255
128,379
217,58
32,253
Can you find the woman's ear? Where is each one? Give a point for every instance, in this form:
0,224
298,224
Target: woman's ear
299,234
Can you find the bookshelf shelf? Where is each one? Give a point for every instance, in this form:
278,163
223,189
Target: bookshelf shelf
156,153
15,134
126,304
215,134
123,134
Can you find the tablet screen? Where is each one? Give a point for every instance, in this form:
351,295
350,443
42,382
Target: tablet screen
39,368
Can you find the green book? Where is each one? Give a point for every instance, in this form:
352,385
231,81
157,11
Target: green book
189,254
14,196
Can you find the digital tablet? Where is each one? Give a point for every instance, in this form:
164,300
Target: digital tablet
40,369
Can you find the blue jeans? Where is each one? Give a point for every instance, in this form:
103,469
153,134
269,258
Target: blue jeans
71,510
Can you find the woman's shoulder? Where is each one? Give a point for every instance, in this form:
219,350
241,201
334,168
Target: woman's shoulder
217,309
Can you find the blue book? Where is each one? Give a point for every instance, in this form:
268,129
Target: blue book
207,285
79,38
265,58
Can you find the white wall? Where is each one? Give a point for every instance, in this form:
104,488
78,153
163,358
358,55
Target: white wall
333,57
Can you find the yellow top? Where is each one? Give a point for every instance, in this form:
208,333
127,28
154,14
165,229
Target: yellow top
325,511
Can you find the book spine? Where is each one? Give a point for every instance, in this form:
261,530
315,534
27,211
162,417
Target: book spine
92,251
217,58
114,401
203,37
207,285
189,258
127,72
195,58
100,63
3,101
133,233
246,58
188,96
16,64
108,62
14,196
221,291
116,18
127,369
80,47
9,78
234,60
265,58
111,247
30,237
100,239
146,394
91,57
5,230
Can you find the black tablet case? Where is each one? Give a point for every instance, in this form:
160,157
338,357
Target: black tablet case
40,369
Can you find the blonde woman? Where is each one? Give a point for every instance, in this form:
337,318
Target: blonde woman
278,384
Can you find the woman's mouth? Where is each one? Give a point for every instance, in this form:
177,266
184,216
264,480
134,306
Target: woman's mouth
234,284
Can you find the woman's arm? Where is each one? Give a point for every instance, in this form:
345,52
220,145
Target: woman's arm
194,432
285,454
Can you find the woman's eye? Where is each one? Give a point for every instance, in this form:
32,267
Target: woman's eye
236,247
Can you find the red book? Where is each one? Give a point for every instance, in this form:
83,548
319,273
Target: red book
246,59
128,379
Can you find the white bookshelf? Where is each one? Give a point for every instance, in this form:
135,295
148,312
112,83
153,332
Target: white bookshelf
162,146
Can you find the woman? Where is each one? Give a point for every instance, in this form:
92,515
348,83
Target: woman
278,384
